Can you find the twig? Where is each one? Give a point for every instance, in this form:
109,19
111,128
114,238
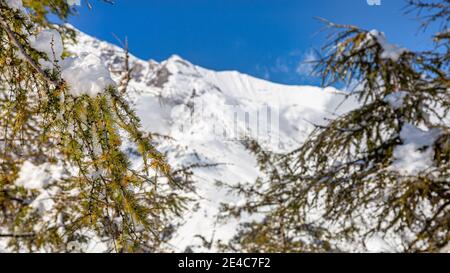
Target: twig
17,235
28,59
127,69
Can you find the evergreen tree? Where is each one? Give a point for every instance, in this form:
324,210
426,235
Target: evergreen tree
98,196
379,170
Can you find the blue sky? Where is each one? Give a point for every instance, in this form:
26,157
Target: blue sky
264,38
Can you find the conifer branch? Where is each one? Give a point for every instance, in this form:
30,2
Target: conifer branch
23,52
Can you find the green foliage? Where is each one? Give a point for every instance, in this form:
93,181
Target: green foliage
339,189
99,197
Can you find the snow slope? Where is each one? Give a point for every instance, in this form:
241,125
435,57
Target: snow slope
207,114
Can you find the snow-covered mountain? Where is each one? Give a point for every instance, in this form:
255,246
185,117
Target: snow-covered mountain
206,114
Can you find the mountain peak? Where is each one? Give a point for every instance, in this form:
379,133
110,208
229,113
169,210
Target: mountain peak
179,66
175,57
177,60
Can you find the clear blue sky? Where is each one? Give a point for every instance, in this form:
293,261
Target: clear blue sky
264,38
